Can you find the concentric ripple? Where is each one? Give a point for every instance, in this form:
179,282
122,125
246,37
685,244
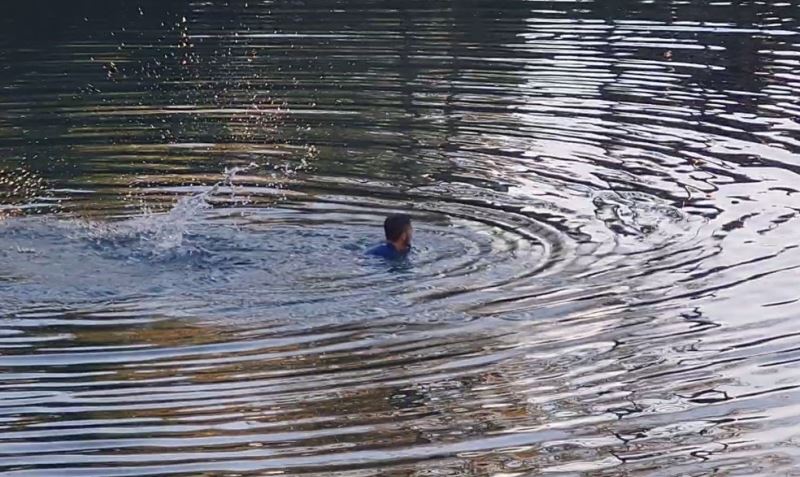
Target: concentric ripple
604,197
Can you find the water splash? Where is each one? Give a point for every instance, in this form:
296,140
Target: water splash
22,190
156,234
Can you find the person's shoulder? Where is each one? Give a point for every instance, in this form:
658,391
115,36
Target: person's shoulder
383,250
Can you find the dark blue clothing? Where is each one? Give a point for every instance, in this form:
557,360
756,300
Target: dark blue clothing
386,251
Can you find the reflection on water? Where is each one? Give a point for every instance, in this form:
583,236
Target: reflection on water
604,197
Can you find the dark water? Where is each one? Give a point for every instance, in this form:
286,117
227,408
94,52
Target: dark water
605,274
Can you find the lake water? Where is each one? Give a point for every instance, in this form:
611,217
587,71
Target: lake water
604,280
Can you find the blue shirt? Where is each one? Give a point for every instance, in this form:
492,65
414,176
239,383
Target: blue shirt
386,251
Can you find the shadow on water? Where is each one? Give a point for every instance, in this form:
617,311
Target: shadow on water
604,197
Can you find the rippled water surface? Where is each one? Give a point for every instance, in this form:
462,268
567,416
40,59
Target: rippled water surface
604,279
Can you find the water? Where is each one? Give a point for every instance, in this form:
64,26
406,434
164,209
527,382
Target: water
605,202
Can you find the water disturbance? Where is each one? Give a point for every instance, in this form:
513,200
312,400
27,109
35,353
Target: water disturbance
605,203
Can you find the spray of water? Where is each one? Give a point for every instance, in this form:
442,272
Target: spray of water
156,234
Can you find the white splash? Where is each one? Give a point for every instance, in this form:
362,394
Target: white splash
154,234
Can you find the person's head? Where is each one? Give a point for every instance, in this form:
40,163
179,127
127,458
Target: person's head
398,231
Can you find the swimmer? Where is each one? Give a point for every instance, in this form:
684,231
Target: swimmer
398,237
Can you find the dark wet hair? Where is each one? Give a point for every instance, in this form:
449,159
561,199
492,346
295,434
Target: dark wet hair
395,225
